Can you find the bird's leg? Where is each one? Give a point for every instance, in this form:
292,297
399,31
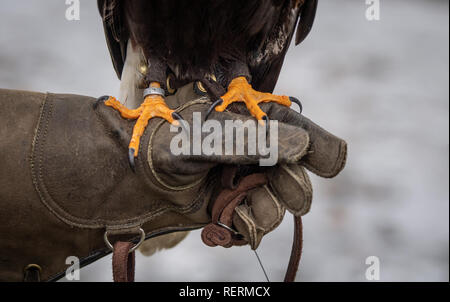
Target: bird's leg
240,90
153,106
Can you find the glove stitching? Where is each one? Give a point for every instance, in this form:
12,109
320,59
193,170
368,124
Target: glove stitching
302,184
250,223
55,208
280,211
201,100
338,166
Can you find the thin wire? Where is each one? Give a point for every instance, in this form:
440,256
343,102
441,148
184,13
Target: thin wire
262,266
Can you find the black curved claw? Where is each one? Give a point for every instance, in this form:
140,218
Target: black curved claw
131,152
180,119
296,101
266,121
213,106
100,100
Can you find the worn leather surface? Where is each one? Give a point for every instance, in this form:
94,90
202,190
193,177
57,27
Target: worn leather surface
65,179
23,218
81,170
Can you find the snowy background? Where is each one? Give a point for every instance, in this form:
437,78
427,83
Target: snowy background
383,86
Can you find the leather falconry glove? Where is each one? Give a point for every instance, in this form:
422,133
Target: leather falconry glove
66,188
288,185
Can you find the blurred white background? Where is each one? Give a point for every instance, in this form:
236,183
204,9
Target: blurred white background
382,86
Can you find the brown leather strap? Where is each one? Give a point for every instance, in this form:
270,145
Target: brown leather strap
123,262
214,234
296,252
228,195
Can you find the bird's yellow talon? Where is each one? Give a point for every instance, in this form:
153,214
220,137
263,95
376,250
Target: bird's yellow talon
124,111
240,90
153,106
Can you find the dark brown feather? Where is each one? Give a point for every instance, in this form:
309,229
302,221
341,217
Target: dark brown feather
115,33
196,36
265,72
307,17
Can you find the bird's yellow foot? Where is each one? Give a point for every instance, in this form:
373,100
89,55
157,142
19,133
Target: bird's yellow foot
240,90
153,106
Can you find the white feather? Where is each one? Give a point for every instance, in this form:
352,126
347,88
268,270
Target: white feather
132,77
154,245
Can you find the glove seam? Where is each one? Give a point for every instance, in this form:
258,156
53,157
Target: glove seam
201,100
252,231
337,168
307,197
280,210
57,209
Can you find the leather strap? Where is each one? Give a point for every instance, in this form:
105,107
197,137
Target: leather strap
220,233
123,262
296,252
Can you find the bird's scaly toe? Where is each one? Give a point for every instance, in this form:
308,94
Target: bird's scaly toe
124,111
153,106
240,90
